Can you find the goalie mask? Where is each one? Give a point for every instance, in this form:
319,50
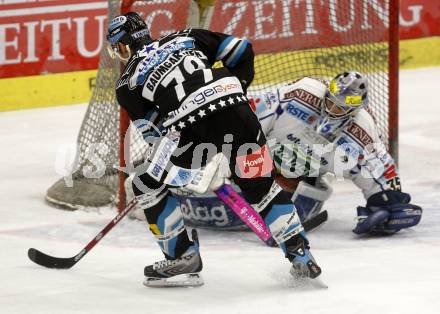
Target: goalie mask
345,96
125,33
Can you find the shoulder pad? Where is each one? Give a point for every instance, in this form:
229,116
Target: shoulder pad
306,89
363,128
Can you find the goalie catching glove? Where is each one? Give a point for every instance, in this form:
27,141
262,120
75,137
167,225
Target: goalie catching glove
387,212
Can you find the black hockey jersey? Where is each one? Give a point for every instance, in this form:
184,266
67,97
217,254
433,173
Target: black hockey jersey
173,76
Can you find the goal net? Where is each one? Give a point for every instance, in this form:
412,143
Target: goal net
291,39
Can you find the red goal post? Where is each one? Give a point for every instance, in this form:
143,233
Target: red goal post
291,38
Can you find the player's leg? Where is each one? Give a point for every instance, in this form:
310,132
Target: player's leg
281,217
258,187
182,262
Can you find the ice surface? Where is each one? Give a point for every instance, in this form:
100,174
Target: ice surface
398,274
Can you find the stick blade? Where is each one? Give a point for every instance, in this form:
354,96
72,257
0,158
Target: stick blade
315,221
48,261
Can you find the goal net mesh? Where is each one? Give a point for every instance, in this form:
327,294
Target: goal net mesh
291,39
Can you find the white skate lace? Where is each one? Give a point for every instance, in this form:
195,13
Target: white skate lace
165,263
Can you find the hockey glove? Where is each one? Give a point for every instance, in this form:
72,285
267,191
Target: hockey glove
210,177
151,127
386,213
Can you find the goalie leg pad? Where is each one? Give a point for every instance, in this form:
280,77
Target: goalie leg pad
309,199
368,220
387,221
402,216
387,212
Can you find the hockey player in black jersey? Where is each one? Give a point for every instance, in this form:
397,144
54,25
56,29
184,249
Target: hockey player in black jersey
171,81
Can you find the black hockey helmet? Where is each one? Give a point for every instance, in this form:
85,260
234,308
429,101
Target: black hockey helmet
129,30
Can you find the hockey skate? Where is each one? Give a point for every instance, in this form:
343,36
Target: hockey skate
304,268
303,263
180,272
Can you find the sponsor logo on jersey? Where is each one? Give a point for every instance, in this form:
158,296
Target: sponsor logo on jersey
260,104
204,95
184,175
341,141
360,135
300,113
351,148
255,165
140,34
390,171
304,96
156,56
162,156
181,176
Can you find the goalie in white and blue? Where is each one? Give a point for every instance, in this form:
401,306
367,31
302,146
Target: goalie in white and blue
335,114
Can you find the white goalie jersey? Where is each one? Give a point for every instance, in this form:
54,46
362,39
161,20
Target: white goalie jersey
302,146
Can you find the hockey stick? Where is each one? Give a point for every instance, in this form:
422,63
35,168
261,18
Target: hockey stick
45,260
315,221
244,211
251,218
231,198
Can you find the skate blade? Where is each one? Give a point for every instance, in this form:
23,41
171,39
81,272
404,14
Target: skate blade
305,282
184,280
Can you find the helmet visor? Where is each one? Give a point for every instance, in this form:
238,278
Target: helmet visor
334,110
340,105
119,50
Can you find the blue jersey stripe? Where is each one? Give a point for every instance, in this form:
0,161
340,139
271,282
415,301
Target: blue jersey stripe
237,53
223,46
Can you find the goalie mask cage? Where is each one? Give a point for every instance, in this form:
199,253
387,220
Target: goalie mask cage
291,39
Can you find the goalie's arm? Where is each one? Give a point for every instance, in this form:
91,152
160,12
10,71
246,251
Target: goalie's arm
387,208
376,169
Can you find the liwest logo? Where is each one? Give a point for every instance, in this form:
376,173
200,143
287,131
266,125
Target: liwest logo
160,160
